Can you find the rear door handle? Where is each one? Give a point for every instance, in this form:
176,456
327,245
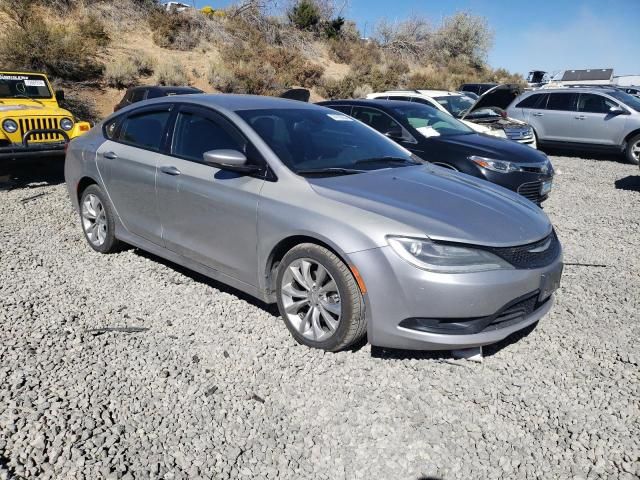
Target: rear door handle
110,155
170,170
538,114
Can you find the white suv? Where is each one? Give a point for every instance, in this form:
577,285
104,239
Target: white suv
485,115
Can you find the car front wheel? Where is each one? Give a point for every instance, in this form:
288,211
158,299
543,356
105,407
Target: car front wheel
633,150
319,299
97,220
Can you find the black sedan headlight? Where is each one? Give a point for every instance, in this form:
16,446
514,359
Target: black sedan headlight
66,124
10,126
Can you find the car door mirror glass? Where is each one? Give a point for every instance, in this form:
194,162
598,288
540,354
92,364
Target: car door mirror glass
231,160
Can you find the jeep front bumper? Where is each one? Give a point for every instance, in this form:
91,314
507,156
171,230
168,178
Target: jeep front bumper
40,149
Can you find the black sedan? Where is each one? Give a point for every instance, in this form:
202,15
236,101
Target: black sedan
438,138
145,92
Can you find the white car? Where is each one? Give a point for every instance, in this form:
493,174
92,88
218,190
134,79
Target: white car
485,115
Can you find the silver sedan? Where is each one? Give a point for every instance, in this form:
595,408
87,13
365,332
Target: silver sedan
304,206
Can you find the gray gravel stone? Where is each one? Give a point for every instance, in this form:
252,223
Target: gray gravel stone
124,366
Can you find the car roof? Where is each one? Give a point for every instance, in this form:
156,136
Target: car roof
574,90
236,102
370,102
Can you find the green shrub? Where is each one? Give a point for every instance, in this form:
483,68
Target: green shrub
171,74
121,73
91,27
144,64
305,15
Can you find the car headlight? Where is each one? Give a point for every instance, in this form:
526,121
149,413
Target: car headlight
66,124
10,126
501,166
441,258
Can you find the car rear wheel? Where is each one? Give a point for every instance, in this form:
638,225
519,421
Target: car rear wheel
633,150
97,220
319,299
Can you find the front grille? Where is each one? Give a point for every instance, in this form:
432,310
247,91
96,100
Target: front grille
531,190
526,256
40,123
516,312
518,133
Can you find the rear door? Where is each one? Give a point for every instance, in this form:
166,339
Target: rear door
558,121
209,215
127,163
597,125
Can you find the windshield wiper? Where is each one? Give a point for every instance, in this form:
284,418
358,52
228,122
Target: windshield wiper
406,161
24,95
330,171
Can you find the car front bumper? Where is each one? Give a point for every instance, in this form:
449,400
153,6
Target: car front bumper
398,292
35,149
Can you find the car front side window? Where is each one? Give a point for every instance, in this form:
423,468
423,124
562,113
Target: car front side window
376,119
196,133
592,103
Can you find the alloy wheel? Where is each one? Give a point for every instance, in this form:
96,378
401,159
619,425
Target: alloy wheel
311,299
94,219
635,150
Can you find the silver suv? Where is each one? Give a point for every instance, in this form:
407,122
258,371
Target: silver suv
605,119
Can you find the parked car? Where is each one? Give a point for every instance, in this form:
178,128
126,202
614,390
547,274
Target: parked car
304,206
32,123
438,138
477,88
485,115
604,119
145,92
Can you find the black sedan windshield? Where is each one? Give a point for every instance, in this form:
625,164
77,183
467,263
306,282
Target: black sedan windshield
14,85
429,121
325,141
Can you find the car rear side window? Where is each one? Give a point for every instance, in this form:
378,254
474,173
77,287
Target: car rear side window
145,130
196,134
564,101
531,101
592,103
376,119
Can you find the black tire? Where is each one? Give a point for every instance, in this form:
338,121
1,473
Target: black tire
352,325
111,243
628,153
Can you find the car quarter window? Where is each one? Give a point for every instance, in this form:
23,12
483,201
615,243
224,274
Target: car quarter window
593,103
565,101
138,95
198,132
145,129
375,118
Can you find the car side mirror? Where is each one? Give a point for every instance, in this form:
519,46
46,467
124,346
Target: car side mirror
231,160
617,111
59,95
395,134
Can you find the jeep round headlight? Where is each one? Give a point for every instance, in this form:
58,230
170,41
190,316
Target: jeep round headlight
66,124
10,126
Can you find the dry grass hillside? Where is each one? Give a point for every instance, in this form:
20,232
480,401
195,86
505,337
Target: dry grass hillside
95,49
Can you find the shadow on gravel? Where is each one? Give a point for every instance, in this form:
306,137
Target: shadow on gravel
631,183
271,309
611,157
445,355
31,173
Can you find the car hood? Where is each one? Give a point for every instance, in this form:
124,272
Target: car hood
492,147
499,96
31,109
443,204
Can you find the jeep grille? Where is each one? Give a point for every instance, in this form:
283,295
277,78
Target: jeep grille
43,123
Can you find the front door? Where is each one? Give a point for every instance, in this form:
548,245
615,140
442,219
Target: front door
597,124
208,215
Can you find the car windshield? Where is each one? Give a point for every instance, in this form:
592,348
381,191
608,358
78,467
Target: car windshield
431,122
320,140
456,105
18,85
627,99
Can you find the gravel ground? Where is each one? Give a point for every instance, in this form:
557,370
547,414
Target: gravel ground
125,366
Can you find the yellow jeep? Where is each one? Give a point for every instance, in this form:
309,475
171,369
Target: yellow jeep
32,124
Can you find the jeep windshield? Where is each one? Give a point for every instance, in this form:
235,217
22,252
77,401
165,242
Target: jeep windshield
431,122
18,85
319,141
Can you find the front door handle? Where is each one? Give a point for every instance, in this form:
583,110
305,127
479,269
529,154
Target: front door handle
110,155
170,170
538,114
580,117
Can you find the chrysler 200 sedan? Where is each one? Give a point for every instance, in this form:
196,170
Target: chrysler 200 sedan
302,205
